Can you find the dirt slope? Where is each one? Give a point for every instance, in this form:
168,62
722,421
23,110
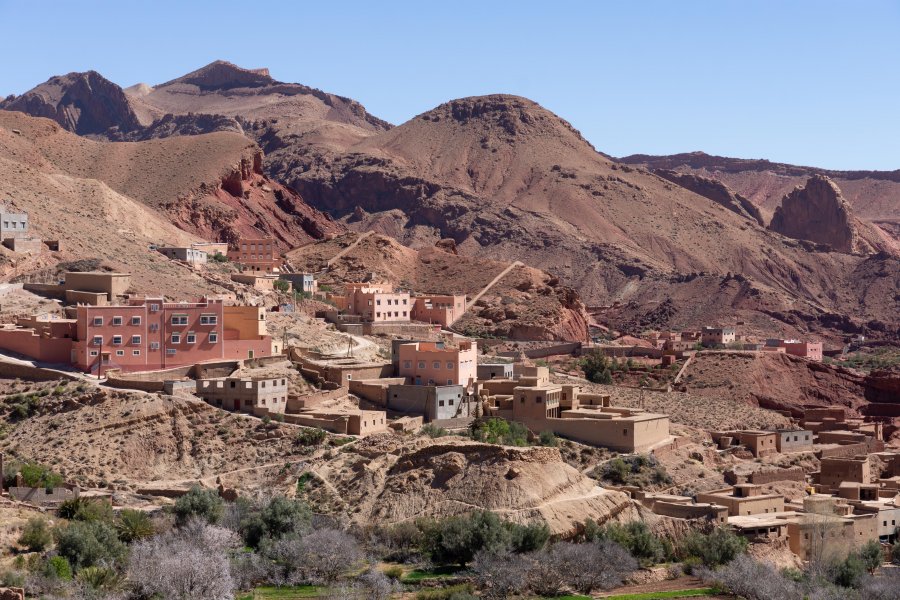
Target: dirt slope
772,380
386,479
209,185
525,304
92,220
507,179
873,194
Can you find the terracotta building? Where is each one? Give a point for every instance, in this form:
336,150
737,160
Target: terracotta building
374,302
256,254
245,394
146,334
441,309
433,363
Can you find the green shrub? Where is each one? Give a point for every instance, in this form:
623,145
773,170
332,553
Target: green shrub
548,438
218,257
634,537
133,525
462,591
433,431
456,540
849,572
36,535
596,367
310,436
281,285
395,572
719,547
85,544
100,578
38,476
871,555
895,553
277,517
205,504
58,568
499,431
83,509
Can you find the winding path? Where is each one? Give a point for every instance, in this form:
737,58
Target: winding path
347,250
486,288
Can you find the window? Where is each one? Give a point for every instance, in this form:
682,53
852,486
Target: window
539,400
624,432
407,364
436,364
117,340
191,338
117,320
421,364
449,382
176,338
93,353
135,320
450,402
213,337
450,365
171,351
98,340
378,302
179,319
154,345
154,307
135,352
404,313
209,319
136,340
440,402
120,353
98,321
377,314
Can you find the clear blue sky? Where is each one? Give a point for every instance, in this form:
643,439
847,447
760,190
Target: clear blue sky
814,82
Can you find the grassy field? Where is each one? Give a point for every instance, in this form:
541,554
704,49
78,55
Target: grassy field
667,594
285,593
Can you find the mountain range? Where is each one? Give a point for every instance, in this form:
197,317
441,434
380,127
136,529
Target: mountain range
677,241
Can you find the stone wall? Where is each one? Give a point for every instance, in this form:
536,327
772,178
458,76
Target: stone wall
14,371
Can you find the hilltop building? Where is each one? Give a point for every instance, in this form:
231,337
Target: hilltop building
256,254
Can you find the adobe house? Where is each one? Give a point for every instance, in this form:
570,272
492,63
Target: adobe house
744,499
301,282
434,403
717,336
434,363
834,471
681,507
24,245
540,408
759,528
360,422
794,440
827,527
495,371
111,284
438,308
12,225
211,248
760,443
374,303
188,255
256,254
262,282
255,395
145,334
810,350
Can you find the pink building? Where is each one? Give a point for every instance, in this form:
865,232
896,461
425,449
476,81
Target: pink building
441,309
374,302
433,363
810,350
146,334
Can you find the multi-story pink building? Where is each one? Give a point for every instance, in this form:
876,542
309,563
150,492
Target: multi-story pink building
433,363
257,254
441,309
146,334
374,302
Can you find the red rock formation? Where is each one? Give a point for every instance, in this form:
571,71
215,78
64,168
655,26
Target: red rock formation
818,212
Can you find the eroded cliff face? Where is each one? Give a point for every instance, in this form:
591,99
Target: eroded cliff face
819,213
715,191
245,203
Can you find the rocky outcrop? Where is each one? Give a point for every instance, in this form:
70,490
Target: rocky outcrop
819,213
169,125
12,594
83,103
716,191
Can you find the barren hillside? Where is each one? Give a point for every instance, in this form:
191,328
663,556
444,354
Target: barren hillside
208,185
525,304
874,195
507,179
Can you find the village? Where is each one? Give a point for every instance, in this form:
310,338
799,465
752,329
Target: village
395,365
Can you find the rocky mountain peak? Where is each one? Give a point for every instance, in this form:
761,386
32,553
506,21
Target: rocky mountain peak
84,103
714,190
223,75
819,213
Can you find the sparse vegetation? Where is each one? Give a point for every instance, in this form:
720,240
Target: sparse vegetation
499,431
640,470
596,368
